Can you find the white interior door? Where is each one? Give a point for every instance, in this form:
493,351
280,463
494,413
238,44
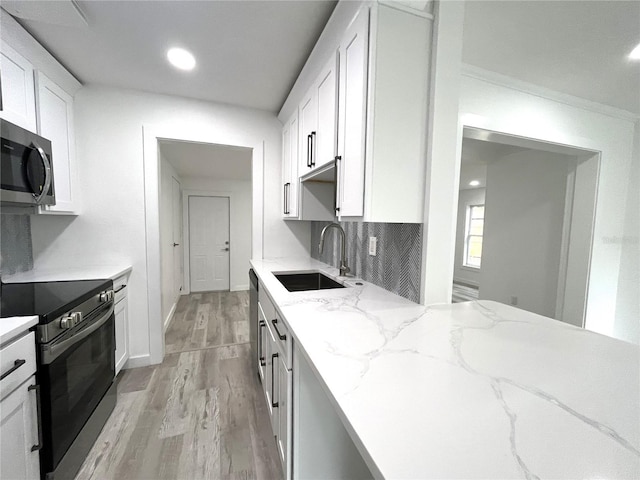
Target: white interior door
176,206
209,243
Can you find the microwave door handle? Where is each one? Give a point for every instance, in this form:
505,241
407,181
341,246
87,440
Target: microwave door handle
47,173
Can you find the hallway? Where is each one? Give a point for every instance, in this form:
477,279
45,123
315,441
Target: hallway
201,413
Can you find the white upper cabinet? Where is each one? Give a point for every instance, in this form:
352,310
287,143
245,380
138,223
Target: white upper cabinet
368,109
308,130
326,92
318,116
397,111
290,182
37,94
352,117
55,122
18,99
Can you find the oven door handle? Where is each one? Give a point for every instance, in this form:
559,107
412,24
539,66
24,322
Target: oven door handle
51,352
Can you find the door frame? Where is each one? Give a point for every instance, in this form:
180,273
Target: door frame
186,282
566,276
151,134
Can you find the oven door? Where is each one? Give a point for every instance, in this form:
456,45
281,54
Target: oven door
75,373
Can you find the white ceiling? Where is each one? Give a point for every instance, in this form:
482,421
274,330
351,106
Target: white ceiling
222,162
249,53
476,155
574,47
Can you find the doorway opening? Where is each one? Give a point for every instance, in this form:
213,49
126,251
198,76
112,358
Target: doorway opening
205,219
202,164
525,221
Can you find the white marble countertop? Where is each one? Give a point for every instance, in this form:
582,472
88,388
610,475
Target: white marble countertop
11,327
89,272
469,390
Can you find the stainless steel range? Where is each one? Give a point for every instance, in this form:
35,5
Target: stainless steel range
76,365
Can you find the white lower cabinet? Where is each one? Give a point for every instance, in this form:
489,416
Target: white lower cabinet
19,446
283,400
19,436
121,312
274,346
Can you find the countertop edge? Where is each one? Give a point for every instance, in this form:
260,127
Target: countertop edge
93,272
12,327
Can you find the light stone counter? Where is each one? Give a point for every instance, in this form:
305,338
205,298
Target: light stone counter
470,390
12,327
90,272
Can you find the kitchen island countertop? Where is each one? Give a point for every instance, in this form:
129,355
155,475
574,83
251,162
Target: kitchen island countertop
469,390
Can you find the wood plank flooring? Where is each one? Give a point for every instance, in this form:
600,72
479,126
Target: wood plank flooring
201,414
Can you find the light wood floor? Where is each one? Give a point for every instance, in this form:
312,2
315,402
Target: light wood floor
200,414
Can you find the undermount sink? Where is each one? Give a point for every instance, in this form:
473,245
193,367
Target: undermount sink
301,282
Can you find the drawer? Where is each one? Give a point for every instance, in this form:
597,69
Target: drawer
120,288
266,304
19,358
282,336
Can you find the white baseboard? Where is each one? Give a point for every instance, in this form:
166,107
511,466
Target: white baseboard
239,288
167,320
137,362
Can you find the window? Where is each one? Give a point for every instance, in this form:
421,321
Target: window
473,236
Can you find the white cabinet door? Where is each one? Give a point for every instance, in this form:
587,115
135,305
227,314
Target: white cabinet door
55,123
352,116
283,437
270,384
327,98
290,181
286,168
122,333
19,434
262,347
308,126
18,93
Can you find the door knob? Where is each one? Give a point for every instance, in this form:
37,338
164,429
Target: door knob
176,244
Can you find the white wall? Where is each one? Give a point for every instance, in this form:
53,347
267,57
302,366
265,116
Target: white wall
470,196
524,214
239,193
491,104
111,228
169,295
627,323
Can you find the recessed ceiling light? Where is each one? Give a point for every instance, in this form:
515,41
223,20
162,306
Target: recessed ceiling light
474,183
181,58
635,53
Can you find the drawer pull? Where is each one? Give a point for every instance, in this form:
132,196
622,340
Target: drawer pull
37,447
122,287
16,365
273,358
275,325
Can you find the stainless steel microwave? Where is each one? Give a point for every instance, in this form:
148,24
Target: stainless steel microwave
26,173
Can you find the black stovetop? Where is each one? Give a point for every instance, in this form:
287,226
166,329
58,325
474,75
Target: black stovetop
49,300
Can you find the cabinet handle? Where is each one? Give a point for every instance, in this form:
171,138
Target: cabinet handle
16,365
275,325
36,387
336,204
313,149
273,357
309,151
287,192
261,358
284,201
